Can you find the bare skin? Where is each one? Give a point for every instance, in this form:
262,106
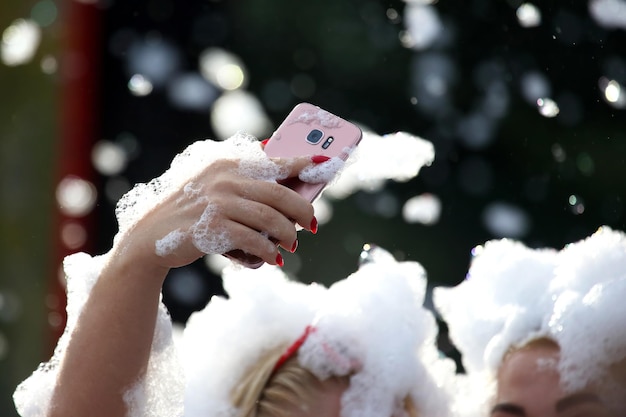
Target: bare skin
110,346
529,386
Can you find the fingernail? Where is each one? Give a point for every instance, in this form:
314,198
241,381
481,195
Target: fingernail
318,159
294,246
264,142
279,260
313,225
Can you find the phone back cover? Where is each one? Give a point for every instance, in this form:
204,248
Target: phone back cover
290,140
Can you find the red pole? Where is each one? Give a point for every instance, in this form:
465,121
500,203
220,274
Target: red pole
78,129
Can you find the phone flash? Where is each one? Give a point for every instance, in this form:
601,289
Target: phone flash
328,141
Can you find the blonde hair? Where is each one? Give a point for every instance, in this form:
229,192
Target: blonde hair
265,393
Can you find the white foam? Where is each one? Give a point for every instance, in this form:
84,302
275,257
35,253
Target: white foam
424,208
322,173
374,318
398,157
208,238
513,294
159,394
320,117
170,242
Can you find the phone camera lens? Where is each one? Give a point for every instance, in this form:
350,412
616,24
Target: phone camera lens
314,136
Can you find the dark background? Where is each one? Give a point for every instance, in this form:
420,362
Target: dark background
353,52
364,73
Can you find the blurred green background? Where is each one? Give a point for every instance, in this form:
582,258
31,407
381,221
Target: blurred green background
524,103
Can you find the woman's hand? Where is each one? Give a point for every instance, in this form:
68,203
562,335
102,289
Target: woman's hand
221,209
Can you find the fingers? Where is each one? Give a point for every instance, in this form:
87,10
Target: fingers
266,219
252,244
284,200
257,214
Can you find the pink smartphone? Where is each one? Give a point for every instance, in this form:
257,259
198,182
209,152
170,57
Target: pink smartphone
307,130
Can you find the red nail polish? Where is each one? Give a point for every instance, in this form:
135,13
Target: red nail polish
318,159
313,225
279,260
294,246
264,142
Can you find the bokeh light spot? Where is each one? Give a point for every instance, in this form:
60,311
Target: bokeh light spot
547,107
613,92
223,69
505,220
20,42
49,64
237,111
576,203
73,235
108,158
76,197
528,15
139,85
585,163
44,13
192,92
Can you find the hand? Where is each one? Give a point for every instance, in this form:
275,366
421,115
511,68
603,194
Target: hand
223,208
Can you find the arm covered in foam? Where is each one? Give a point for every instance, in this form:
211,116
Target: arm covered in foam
116,356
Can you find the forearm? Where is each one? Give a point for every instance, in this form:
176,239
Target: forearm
110,346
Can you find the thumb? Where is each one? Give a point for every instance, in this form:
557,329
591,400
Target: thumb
293,166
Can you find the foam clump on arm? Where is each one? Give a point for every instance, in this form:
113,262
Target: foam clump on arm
150,397
187,165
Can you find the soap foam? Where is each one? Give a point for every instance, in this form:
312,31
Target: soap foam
320,117
514,294
373,321
322,173
398,157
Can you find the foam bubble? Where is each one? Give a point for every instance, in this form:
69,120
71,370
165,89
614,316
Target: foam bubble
373,321
170,242
207,238
320,117
322,173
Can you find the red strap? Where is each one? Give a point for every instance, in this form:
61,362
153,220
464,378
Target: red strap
291,350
